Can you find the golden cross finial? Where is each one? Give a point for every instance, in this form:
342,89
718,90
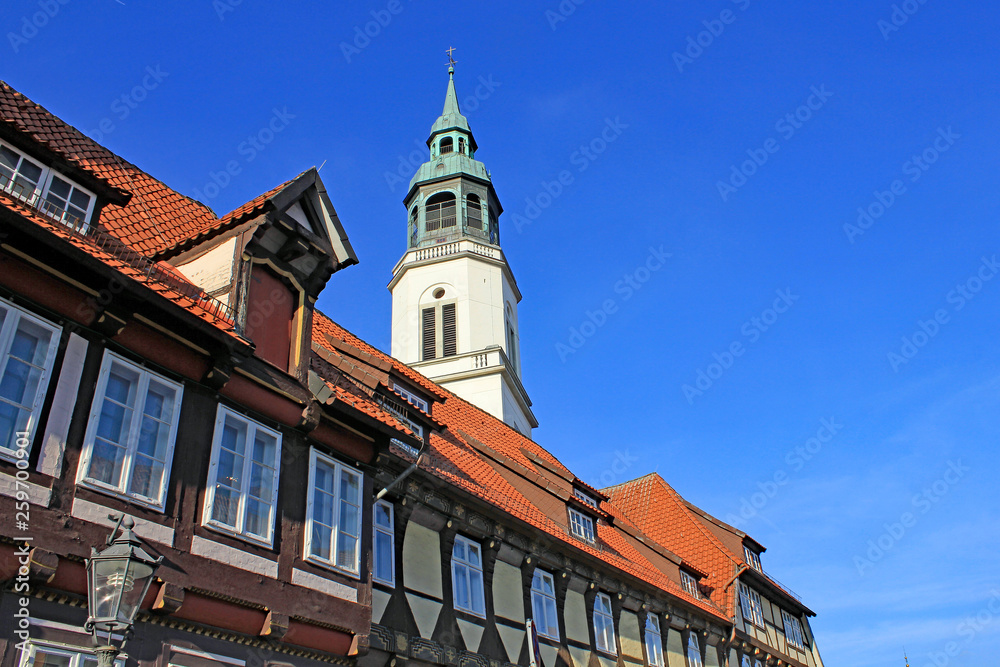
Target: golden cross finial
450,50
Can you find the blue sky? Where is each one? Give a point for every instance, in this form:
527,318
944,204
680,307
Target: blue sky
746,135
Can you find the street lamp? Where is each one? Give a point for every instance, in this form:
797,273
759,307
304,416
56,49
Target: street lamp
117,581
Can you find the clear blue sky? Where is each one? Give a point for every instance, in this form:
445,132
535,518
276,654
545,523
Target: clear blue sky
880,96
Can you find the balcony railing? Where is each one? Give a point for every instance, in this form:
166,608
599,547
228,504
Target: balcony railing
97,238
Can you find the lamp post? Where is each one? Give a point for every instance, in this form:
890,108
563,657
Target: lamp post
117,581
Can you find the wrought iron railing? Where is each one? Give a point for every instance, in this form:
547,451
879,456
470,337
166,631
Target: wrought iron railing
114,247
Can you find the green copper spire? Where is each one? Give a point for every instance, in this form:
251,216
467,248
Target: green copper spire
451,117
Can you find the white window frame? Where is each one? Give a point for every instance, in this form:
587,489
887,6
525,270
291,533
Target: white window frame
411,398
693,650
654,641
548,625
461,567
78,655
386,533
585,497
690,585
339,469
240,530
582,525
10,324
145,376
752,558
38,197
793,631
604,625
750,604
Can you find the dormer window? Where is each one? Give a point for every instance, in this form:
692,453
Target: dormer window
411,398
581,525
588,499
447,145
41,187
690,585
752,558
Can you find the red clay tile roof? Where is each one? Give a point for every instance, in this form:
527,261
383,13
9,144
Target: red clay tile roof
453,455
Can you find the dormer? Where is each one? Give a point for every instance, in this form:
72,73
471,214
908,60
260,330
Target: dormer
269,260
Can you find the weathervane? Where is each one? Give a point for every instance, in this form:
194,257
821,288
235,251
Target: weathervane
451,61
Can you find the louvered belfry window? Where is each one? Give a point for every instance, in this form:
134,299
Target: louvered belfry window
438,332
440,212
428,331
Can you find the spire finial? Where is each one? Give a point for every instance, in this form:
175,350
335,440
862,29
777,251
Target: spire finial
451,61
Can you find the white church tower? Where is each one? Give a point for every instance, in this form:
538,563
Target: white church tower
454,298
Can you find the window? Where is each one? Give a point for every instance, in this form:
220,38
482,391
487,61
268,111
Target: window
27,351
131,433
411,398
689,584
604,624
447,145
384,558
752,558
745,662
41,187
793,630
414,229
38,655
654,642
461,144
694,650
467,576
243,477
580,495
751,606
543,605
333,514
440,212
438,340
581,525
473,212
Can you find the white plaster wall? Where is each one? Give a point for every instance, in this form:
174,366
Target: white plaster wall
213,270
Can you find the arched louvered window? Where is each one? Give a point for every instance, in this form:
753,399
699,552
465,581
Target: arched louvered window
447,145
473,212
440,211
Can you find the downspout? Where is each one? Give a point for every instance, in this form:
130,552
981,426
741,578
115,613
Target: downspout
739,571
406,473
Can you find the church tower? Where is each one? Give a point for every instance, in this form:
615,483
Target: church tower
454,298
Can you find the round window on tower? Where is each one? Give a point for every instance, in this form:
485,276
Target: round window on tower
439,293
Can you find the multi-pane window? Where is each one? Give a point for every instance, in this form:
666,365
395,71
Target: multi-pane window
438,334
333,515
411,398
752,558
694,651
41,187
41,655
604,624
243,477
467,576
130,437
27,351
543,604
383,558
750,603
793,631
580,495
581,525
689,584
654,641
440,212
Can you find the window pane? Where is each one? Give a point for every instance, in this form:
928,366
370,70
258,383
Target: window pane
383,516
476,588
347,551
461,585
45,658
383,556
